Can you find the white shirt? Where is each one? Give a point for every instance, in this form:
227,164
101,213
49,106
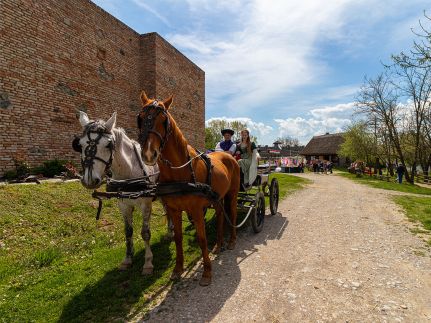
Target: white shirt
230,151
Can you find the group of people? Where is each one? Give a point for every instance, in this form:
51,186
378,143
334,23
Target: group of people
322,166
245,152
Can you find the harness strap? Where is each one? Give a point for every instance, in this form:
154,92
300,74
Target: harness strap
208,164
192,171
186,188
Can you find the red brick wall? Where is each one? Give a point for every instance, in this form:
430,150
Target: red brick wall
59,56
177,75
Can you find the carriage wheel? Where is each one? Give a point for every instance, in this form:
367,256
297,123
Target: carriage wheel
258,214
273,196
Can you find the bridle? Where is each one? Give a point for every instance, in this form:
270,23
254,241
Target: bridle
146,120
91,149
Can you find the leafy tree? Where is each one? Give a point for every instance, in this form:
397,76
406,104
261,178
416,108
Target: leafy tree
358,143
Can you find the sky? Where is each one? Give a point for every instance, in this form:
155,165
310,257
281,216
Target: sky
285,67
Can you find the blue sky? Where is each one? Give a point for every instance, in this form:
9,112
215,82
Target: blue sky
284,67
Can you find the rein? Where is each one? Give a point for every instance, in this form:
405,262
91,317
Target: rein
184,165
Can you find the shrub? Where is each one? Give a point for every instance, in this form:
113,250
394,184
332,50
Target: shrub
10,175
54,167
22,168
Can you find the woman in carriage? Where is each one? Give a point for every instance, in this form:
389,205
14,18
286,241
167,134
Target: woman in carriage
247,150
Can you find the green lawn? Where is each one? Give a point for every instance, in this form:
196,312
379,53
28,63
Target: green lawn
58,264
418,209
383,184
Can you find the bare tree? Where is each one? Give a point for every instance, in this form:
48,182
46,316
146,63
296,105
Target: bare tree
287,141
378,101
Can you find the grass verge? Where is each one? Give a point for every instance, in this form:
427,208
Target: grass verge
58,264
418,209
377,183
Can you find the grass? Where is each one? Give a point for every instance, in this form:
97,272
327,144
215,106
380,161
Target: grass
418,209
58,264
377,183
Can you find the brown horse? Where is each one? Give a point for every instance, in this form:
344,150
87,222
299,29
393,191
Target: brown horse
163,143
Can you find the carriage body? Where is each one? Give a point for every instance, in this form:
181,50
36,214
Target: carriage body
252,199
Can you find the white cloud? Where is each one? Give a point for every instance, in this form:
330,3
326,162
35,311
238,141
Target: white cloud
332,111
254,52
270,53
320,120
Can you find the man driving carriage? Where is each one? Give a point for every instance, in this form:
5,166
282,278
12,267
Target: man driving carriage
227,145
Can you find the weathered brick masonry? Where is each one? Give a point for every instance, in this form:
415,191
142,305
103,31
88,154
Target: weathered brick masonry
59,56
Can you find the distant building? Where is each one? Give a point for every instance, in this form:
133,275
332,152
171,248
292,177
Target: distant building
324,147
276,150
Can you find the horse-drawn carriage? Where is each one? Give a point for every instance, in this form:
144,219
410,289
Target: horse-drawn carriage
168,168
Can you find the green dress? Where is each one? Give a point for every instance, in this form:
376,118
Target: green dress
245,161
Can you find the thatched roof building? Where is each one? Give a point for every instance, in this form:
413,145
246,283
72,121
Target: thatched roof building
324,147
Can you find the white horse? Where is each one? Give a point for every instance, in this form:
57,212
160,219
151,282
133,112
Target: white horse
104,147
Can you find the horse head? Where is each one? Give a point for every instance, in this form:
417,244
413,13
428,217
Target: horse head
154,124
96,146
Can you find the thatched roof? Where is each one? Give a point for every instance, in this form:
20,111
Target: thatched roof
323,145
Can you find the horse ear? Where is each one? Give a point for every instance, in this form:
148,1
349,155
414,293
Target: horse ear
111,122
83,119
144,99
167,103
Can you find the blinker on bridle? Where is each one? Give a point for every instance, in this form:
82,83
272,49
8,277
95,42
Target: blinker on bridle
146,121
91,149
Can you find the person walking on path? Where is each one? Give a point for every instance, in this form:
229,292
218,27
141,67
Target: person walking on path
400,173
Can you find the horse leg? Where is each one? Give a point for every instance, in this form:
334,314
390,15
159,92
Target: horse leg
202,240
220,230
231,209
127,212
175,215
146,236
170,224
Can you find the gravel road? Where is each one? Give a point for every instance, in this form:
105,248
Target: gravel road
337,251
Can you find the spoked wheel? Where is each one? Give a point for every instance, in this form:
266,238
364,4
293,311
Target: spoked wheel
274,193
257,217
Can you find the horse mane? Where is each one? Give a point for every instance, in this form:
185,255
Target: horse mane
178,135
120,133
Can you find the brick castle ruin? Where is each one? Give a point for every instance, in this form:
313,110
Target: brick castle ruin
60,56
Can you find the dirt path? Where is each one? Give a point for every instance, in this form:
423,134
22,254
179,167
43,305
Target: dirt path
339,251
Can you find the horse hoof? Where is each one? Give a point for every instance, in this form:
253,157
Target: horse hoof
175,276
147,271
205,281
125,266
231,245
